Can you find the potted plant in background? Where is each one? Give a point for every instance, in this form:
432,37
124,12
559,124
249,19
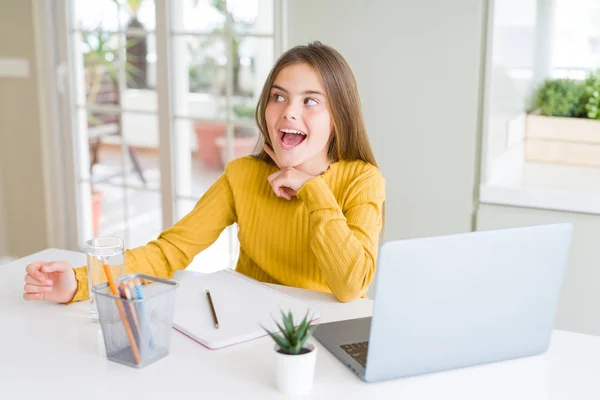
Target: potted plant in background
244,136
564,128
295,359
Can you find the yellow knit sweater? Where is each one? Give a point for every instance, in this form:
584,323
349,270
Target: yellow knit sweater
326,239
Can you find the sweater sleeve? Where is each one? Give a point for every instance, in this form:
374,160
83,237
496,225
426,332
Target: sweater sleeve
345,241
177,246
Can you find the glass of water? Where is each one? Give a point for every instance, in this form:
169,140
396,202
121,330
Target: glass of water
102,251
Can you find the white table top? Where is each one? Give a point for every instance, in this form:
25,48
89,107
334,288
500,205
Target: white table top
54,351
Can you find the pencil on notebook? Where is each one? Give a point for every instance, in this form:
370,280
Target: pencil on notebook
212,309
115,292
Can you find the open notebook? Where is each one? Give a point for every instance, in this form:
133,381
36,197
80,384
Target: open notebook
242,305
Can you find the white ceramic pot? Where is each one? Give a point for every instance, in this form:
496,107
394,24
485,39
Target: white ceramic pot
294,374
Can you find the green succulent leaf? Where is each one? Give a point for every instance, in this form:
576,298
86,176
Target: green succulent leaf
288,322
297,347
288,335
281,341
293,338
303,327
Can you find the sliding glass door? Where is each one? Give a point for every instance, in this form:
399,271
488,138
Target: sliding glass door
161,95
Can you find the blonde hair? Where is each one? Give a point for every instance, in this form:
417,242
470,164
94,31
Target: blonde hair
349,140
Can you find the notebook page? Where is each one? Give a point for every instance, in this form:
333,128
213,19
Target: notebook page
242,306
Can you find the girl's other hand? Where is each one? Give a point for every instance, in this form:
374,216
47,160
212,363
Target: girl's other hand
51,281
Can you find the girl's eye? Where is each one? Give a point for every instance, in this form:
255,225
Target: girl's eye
310,102
277,97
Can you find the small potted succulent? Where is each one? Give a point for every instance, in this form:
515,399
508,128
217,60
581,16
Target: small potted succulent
295,359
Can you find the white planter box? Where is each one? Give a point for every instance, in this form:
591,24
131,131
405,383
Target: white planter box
574,141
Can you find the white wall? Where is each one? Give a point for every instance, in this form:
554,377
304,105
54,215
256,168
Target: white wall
3,245
579,308
418,69
21,158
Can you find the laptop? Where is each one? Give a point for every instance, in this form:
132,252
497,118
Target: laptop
455,301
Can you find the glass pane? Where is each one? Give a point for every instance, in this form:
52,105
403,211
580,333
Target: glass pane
245,139
576,39
199,75
198,158
223,253
140,133
104,140
98,59
251,16
201,16
92,14
144,217
128,143
140,53
253,60
140,100
138,14
108,210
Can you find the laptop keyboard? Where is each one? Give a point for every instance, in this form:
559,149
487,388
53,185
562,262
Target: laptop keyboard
358,351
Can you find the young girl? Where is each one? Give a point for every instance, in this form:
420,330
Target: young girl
309,206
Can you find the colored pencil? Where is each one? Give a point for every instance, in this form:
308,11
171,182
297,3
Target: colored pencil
115,292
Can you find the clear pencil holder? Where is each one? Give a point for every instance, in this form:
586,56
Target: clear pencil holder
137,332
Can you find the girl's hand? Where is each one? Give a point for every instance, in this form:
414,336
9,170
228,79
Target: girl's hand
288,180
51,281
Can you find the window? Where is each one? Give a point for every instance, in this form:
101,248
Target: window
576,44
163,95
532,160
